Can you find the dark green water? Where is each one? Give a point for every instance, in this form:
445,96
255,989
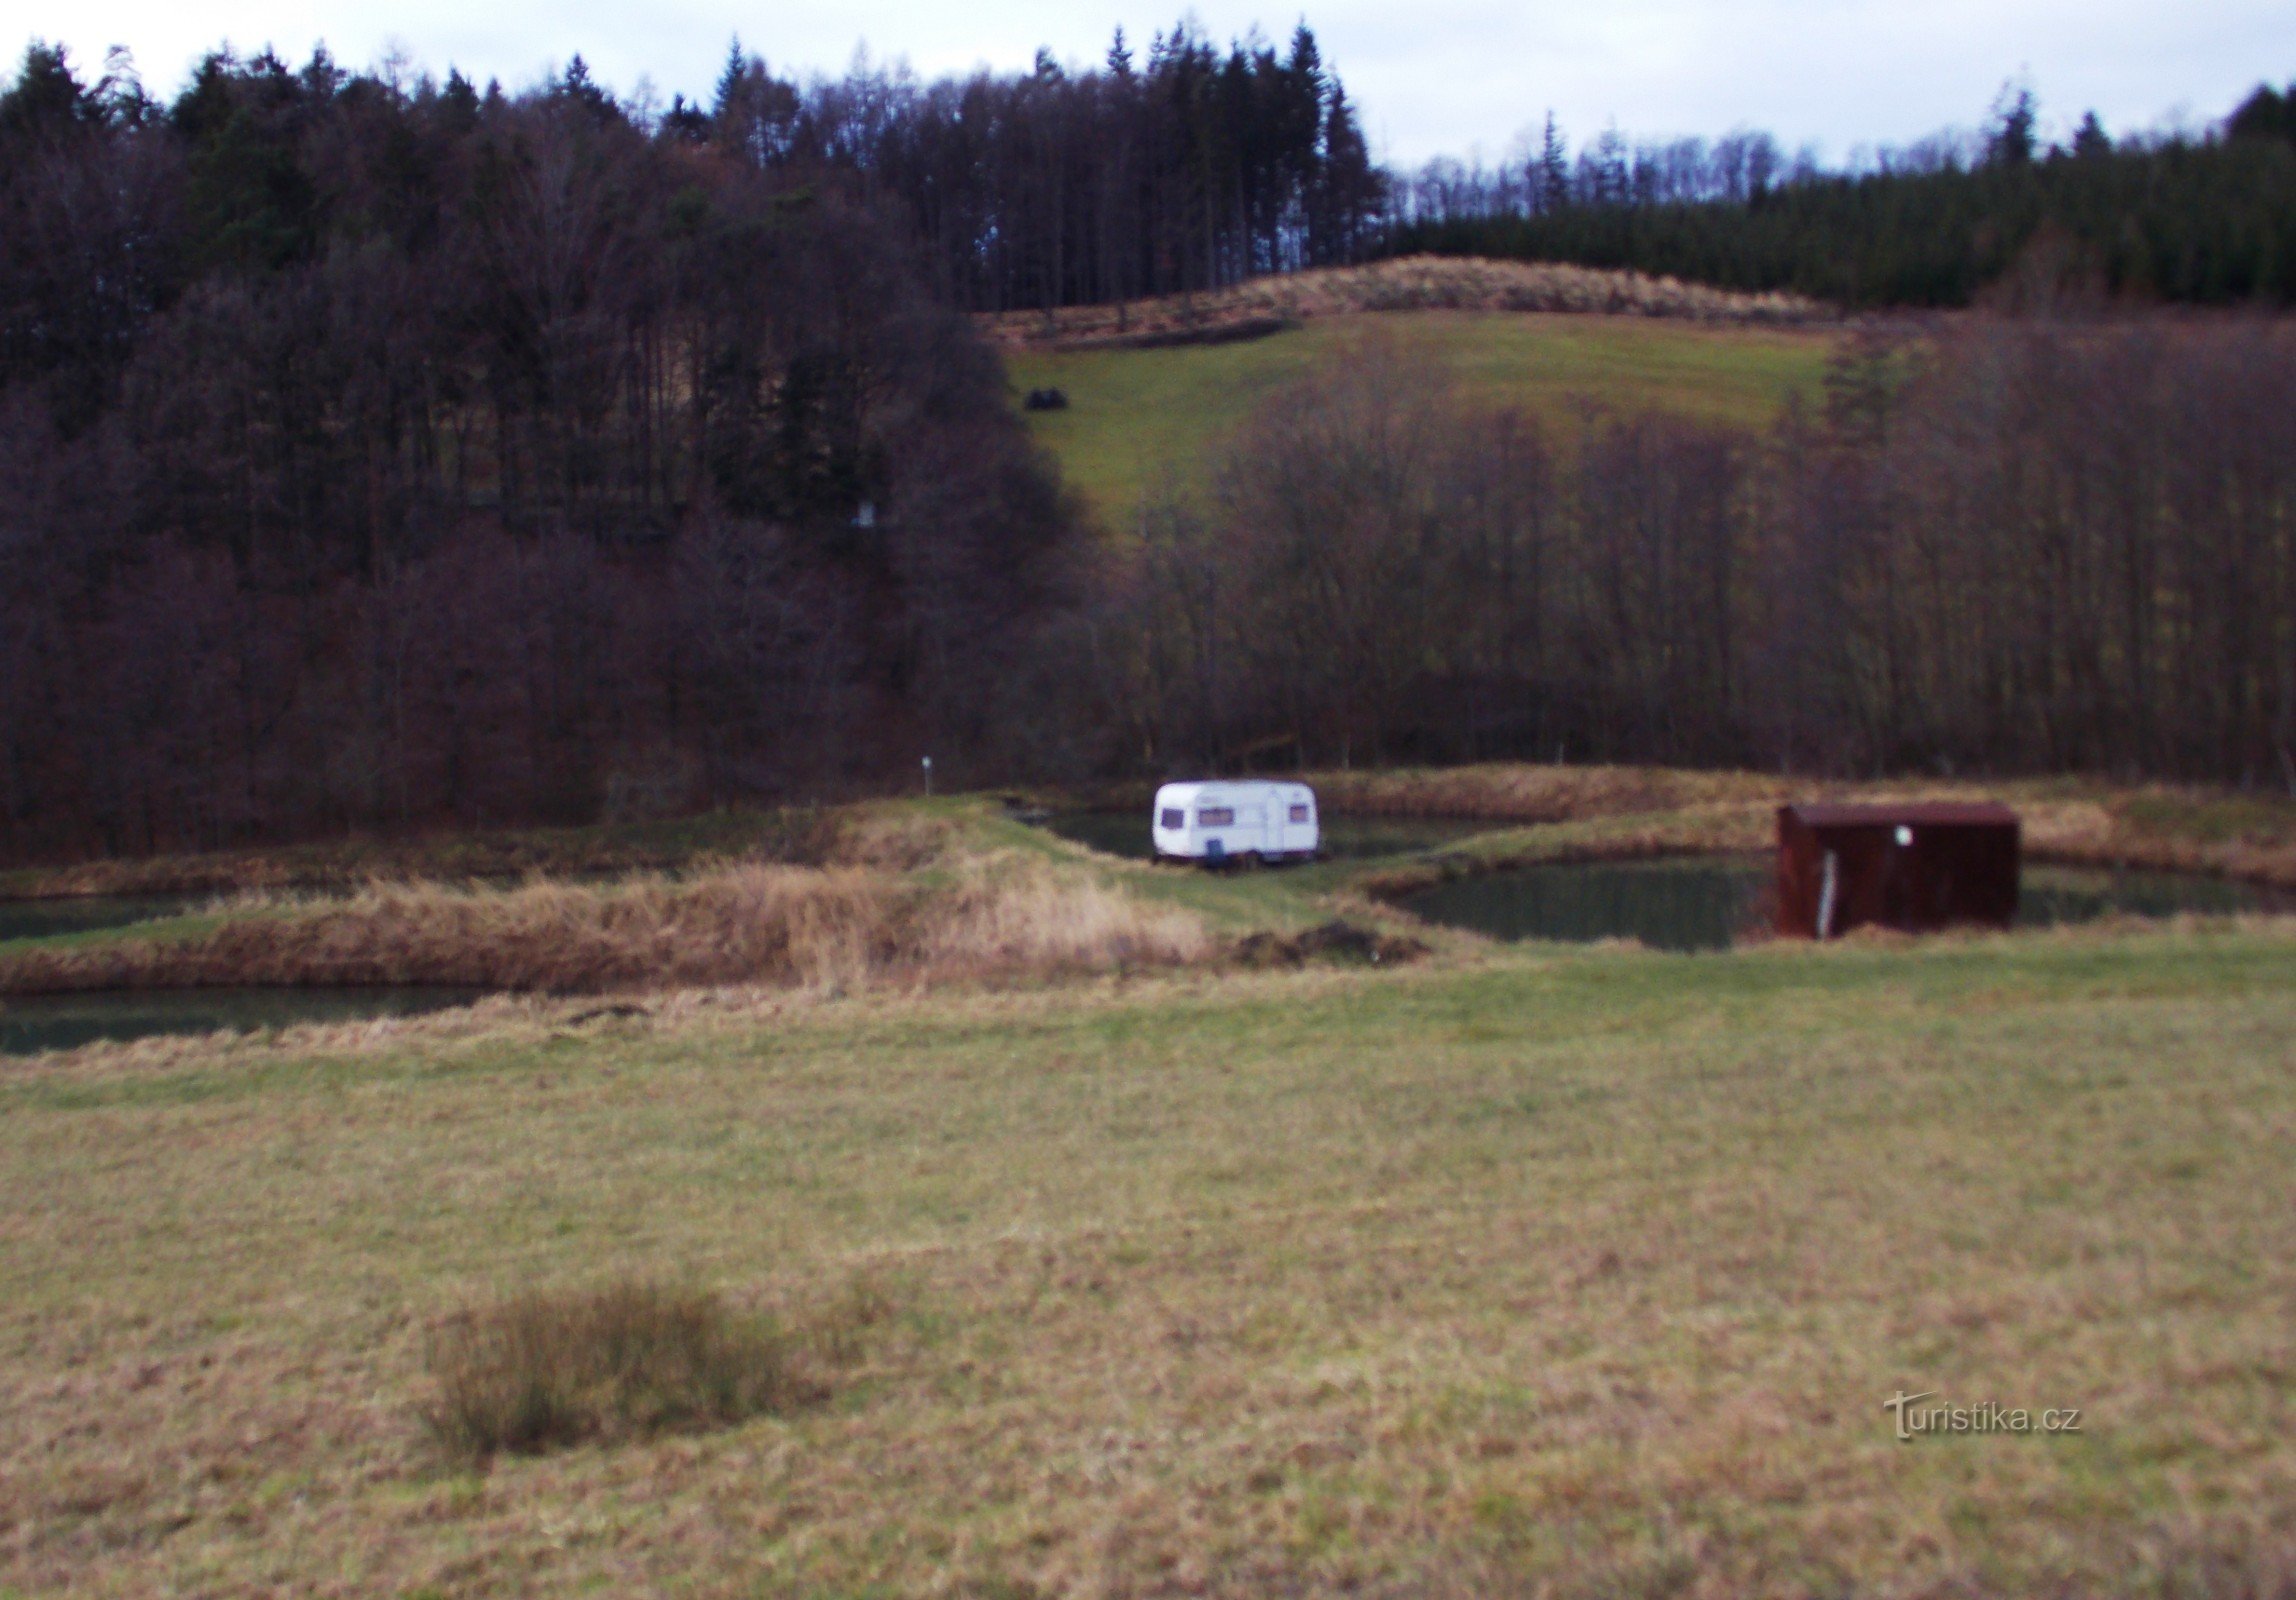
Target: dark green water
44,919
1125,833
61,1022
1693,903
1705,902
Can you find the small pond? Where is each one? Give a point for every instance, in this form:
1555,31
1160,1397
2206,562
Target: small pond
60,1022
1125,833
1705,902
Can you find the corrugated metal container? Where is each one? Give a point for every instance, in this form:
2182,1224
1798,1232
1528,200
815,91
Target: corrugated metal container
1914,867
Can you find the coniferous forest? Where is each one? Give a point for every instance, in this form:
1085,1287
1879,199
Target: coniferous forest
2208,220
391,452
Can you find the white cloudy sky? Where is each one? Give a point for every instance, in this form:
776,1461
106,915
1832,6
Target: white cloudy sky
1431,76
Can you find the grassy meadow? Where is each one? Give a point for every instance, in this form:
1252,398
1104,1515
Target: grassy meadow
1140,420
1516,1269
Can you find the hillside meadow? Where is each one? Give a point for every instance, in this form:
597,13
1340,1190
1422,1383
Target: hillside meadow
1142,420
1512,1269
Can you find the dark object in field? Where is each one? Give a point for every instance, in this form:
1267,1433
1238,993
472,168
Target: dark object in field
619,1008
1333,941
549,1369
1913,867
1045,400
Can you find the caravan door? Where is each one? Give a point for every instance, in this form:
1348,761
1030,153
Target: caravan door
1298,828
1251,830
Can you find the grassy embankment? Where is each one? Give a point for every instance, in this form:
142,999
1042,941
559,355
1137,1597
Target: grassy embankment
921,893
1139,421
1515,1271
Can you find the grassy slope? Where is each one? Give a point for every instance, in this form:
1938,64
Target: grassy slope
1140,418
1591,1265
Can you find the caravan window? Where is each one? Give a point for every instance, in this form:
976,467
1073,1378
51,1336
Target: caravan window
1173,817
1299,813
1216,817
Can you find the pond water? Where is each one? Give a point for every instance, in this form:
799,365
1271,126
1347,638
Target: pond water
43,919
1125,833
1690,903
61,1022
1706,902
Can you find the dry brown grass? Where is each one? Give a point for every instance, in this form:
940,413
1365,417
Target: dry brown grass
736,924
888,837
827,928
1412,283
996,922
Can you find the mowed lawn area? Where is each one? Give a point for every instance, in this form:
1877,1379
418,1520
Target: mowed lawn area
1142,420
1527,1270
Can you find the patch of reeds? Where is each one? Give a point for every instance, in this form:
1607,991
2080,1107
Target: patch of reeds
1041,923
544,1370
828,929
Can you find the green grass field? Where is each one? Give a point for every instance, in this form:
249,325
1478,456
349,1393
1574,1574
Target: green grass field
1522,1270
1140,419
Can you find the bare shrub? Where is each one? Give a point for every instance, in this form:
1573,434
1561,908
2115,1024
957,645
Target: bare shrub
1338,941
544,1370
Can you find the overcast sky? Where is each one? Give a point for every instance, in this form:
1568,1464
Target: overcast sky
1430,77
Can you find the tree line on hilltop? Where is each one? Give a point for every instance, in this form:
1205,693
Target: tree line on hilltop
1191,168
2205,219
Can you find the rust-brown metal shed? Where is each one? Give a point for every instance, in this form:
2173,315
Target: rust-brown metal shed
1915,867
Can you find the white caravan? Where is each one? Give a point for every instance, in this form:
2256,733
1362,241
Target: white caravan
1248,821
